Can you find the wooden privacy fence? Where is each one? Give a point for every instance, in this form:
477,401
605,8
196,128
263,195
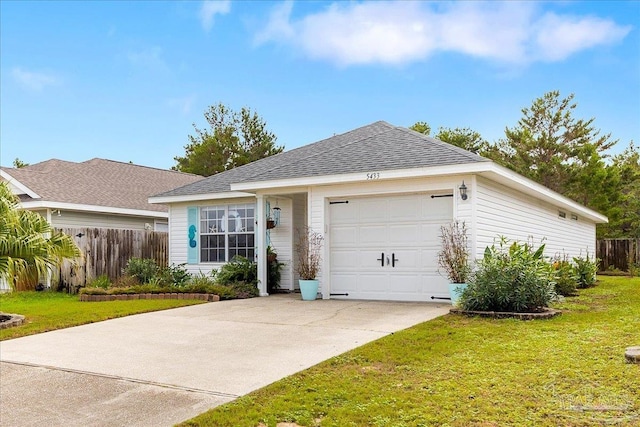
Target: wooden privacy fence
618,253
106,252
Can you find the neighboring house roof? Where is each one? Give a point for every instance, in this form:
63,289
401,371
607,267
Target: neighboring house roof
376,147
96,183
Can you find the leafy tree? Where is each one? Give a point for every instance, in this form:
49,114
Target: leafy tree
28,245
465,138
552,147
17,163
623,207
233,139
421,127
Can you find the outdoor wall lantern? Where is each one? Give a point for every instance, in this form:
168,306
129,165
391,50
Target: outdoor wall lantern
463,191
276,215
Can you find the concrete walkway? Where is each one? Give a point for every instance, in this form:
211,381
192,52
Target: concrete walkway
161,368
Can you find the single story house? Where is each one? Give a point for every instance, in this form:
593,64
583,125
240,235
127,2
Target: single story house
379,194
97,193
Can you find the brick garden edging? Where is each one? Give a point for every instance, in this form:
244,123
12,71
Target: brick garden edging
128,297
547,314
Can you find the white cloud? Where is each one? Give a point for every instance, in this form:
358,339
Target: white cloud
185,104
33,81
211,8
559,37
150,59
401,32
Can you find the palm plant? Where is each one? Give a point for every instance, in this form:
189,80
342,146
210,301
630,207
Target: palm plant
29,246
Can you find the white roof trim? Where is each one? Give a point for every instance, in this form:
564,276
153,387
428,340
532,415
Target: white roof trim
25,190
196,197
362,176
41,204
489,169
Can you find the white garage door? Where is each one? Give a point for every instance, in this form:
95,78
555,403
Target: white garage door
386,248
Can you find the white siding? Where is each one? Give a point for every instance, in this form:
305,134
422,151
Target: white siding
76,219
281,237
299,222
501,211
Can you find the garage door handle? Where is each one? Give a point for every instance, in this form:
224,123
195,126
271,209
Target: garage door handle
381,259
393,260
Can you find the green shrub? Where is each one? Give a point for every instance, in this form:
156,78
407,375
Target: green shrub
239,269
174,275
564,277
585,270
142,269
510,278
274,274
102,282
242,290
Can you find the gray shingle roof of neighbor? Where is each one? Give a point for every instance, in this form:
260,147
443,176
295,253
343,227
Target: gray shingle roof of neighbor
99,182
375,147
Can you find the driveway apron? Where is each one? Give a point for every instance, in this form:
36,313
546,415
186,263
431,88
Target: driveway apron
161,368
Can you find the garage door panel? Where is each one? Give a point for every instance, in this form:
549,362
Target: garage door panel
403,283
342,282
405,234
373,211
370,259
345,260
430,232
407,259
344,236
407,227
373,235
372,283
344,213
404,209
438,208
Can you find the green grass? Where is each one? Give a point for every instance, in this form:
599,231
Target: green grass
47,311
459,371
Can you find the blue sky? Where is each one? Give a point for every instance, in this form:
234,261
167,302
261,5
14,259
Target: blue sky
126,80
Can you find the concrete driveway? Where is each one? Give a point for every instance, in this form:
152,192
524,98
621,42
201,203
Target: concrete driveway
161,368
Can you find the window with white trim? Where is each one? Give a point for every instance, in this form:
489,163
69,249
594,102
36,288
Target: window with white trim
227,231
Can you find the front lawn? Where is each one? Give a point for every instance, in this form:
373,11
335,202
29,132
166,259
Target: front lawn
459,371
47,311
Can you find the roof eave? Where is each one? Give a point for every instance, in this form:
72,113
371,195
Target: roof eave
13,181
457,169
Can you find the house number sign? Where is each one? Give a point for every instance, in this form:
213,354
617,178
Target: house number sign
373,175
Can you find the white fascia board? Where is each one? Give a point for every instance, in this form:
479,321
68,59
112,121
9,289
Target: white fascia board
459,169
20,186
514,180
198,197
43,204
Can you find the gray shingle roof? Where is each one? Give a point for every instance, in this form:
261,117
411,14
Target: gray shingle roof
100,182
375,147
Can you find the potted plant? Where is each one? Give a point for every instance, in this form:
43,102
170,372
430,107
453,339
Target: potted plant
309,250
453,258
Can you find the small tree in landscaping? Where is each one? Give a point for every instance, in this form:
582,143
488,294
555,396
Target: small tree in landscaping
453,257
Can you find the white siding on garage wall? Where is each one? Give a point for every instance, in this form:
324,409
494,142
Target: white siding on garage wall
501,211
75,219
